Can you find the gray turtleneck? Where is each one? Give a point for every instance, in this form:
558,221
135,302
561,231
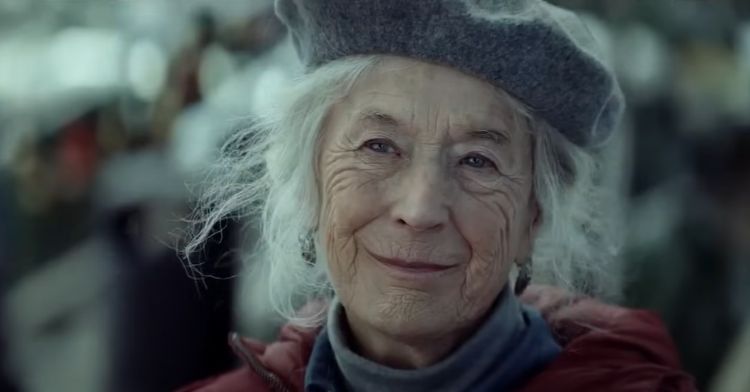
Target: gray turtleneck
511,345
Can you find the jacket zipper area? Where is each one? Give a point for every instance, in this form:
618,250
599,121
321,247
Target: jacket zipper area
269,377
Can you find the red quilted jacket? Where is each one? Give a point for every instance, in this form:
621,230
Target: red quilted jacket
605,348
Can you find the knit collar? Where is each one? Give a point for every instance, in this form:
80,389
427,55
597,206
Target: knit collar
511,344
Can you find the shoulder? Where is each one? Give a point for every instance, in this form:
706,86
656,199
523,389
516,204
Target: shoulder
605,347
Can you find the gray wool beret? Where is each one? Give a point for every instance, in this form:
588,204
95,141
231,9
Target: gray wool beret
541,54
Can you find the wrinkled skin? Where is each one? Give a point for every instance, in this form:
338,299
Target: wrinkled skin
423,164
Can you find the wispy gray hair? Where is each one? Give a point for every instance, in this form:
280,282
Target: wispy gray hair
267,173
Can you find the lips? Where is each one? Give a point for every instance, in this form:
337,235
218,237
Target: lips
411,267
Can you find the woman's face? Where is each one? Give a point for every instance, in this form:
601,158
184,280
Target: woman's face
426,182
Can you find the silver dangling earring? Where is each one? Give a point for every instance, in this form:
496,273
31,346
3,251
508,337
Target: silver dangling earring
524,277
307,243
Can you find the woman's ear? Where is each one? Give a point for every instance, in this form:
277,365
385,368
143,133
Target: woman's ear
536,217
534,223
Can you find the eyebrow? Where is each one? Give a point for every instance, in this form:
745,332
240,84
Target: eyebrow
492,135
378,117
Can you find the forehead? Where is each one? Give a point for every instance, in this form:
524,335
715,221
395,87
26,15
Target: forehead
402,86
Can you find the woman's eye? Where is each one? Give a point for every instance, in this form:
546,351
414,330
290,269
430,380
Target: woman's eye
477,162
380,146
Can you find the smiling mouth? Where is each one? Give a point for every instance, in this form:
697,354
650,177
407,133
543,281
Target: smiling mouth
411,267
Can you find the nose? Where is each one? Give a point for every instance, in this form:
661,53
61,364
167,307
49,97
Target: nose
422,202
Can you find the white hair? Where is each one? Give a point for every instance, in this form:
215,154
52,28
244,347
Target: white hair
267,173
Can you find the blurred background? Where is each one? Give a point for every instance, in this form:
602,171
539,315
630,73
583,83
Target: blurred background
110,109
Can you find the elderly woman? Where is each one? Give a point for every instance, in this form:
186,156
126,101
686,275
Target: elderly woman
432,153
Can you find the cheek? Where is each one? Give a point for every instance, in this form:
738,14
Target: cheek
491,223
349,195
350,201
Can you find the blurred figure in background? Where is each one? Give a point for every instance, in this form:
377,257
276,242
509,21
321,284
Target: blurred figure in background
717,231
155,303
162,303
698,277
125,328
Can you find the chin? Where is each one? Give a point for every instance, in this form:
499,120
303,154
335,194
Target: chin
411,316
